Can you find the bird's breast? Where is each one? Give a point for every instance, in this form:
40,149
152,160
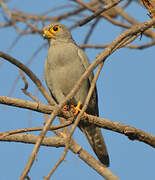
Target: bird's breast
64,67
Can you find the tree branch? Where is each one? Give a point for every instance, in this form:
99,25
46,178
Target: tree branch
132,132
31,75
60,142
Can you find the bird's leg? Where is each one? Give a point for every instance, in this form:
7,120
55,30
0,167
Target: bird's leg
77,109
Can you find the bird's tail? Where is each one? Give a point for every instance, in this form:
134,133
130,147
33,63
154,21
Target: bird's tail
96,140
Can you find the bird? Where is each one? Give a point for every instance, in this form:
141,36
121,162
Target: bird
64,65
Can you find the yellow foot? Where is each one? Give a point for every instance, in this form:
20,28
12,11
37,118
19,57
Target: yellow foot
77,109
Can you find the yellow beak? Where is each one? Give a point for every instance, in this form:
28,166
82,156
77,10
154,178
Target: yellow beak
47,34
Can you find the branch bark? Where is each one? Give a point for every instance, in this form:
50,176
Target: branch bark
131,132
60,142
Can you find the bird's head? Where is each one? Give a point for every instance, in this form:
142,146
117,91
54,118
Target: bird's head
56,31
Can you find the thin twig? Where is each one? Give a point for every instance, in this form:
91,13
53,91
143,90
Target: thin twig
55,127
131,46
98,12
32,76
91,30
29,61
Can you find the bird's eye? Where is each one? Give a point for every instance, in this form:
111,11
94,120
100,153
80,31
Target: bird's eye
55,29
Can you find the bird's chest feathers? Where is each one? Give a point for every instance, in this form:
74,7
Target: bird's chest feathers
63,62
60,56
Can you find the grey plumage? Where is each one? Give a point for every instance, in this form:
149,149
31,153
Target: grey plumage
64,65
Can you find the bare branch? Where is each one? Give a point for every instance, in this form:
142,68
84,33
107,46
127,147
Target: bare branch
131,132
32,76
31,139
98,12
60,142
65,124
131,46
